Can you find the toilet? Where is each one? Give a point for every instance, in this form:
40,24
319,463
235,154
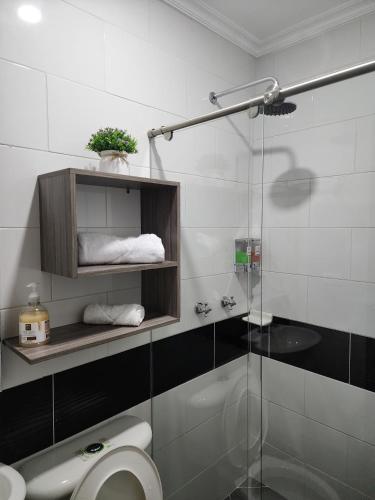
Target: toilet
107,462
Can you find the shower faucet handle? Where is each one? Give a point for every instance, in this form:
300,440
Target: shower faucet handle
228,302
203,308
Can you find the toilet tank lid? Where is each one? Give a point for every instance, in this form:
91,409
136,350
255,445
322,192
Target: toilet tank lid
54,473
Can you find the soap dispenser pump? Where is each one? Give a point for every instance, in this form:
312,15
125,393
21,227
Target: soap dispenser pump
33,321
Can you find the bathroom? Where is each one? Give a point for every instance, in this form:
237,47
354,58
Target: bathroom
241,167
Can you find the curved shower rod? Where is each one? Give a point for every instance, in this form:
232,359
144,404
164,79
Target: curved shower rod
270,95
298,88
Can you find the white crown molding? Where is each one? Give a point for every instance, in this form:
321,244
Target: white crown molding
228,29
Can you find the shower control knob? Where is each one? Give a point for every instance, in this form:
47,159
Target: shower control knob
228,302
203,308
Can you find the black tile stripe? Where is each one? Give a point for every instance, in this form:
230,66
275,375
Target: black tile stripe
26,424
362,362
88,394
91,393
182,357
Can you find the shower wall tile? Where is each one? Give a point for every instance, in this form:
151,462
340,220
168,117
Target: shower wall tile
343,201
365,150
333,49
342,305
296,156
367,36
363,246
79,56
340,406
282,295
91,207
283,384
23,89
309,251
286,204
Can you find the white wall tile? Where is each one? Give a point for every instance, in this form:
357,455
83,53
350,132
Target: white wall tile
182,408
365,150
23,101
216,54
342,305
315,252
284,295
19,204
65,288
363,246
130,296
315,152
367,36
343,201
334,49
208,251
341,406
283,384
96,109
361,466
91,207
167,90
131,16
20,265
286,204
123,208
77,54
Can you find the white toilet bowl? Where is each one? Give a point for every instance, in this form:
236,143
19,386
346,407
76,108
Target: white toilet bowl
105,463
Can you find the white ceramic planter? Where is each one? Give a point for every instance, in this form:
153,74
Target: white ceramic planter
115,162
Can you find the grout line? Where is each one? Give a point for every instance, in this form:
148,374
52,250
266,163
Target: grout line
53,410
350,357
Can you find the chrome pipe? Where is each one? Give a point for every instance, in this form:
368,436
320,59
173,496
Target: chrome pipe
298,88
214,96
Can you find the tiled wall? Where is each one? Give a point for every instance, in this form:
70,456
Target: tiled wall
200,381
319,186
317,259
131,64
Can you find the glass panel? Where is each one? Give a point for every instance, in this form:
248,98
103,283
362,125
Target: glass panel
318,283
200,365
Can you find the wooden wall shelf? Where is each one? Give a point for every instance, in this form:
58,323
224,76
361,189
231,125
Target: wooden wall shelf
160,214
72,338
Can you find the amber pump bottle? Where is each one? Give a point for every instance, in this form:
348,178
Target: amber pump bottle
33,321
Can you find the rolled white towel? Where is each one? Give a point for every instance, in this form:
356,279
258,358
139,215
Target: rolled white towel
103,314
98,248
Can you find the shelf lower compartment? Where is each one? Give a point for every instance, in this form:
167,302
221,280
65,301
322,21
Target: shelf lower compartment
71,338
123,268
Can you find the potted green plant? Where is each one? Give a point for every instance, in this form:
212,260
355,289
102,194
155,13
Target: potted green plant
113,146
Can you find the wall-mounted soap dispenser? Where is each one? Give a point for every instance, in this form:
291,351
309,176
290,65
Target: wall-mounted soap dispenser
247,255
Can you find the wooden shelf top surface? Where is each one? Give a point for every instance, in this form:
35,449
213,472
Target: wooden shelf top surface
123,268
78,336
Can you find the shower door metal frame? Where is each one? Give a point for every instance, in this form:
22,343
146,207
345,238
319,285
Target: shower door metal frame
298,88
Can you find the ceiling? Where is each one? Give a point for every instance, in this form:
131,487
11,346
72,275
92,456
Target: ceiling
262,26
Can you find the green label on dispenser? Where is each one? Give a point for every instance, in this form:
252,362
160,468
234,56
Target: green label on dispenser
242,257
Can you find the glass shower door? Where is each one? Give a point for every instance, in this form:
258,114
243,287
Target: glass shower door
318,284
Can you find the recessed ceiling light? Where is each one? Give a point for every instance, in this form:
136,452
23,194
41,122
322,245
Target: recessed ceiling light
29,14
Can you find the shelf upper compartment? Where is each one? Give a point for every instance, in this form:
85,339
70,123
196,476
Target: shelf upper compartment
58,219
72,338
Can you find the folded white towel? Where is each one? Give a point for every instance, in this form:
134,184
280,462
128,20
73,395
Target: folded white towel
98,248
103,314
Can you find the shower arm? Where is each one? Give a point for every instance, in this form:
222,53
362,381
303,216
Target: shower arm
270,96
291,90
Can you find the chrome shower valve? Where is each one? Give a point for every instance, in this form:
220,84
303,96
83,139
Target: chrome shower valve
203,308
228,302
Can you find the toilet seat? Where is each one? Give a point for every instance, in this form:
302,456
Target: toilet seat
126,472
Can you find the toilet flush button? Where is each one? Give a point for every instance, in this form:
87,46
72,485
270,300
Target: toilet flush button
94,448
